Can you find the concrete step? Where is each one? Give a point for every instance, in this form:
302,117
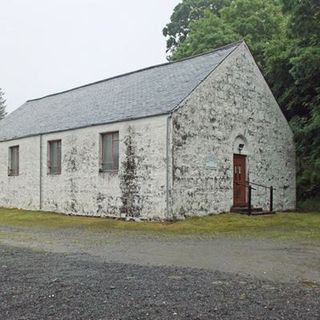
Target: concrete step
245,209
261,213
254,211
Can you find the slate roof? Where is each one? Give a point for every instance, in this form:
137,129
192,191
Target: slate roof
148,92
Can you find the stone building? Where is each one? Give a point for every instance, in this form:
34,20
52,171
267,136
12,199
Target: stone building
181,138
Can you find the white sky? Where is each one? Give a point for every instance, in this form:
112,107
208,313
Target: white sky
48,46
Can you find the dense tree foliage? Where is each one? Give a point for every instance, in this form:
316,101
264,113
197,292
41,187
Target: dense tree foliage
185,12
207,33
3,112
256,21
284,37
304,101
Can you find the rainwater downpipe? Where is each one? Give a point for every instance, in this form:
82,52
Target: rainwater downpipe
167,164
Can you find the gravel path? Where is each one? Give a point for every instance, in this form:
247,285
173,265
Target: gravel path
41,285
275,260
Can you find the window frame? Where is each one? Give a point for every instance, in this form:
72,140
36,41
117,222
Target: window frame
114,169
11,172
49,159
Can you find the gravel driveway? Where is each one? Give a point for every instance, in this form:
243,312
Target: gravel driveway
38,285
81,274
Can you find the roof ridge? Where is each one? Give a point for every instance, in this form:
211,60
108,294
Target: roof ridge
140,70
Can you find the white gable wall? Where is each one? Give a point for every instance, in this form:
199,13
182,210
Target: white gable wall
234,101
81,189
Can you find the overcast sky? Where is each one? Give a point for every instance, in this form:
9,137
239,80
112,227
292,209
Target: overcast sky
48,46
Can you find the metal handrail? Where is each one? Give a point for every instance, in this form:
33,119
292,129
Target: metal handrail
246,185
249,184
259,185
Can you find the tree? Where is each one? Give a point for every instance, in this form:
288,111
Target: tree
3,112
307,134
185,12
277,56
304,32
304,22
293,67
256,21
206,33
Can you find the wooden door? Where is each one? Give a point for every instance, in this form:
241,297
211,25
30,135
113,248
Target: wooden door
239,180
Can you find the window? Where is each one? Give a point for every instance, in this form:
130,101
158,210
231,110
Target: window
13,169
54,157
110,151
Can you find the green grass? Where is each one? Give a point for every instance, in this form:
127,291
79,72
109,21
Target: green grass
280,225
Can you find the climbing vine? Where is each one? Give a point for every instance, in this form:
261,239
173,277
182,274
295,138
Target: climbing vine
128,178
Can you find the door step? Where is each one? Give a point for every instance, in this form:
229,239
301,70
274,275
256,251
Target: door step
254,211
262,213
245,209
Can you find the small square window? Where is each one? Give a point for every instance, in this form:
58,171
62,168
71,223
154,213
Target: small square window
13,169
54,157
110,151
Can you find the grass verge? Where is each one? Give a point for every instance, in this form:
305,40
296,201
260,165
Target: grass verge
281,225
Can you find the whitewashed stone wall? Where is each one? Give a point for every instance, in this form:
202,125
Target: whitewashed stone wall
81,188
21,191
233,101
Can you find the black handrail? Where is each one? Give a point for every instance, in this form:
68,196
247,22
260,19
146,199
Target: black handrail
266,187
246,185
271,199
249,184
249,199
259,185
